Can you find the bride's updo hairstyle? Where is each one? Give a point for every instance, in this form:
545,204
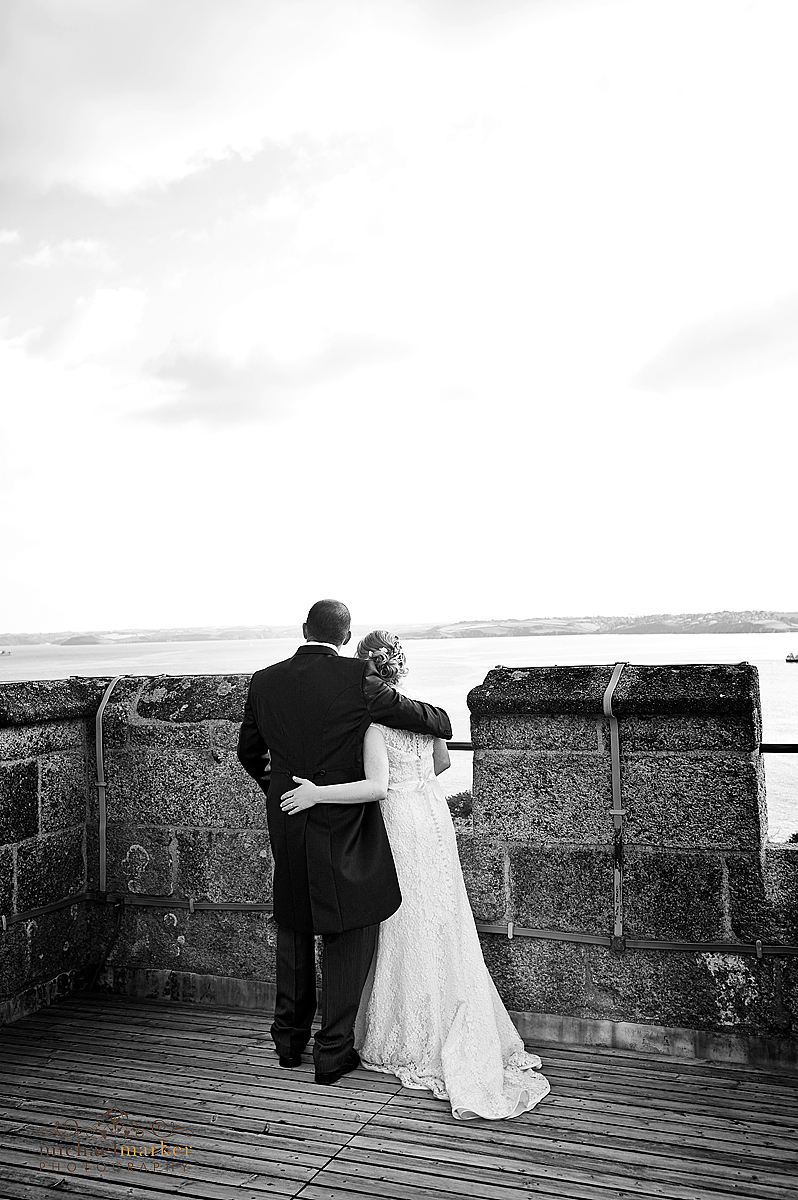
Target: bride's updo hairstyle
385,651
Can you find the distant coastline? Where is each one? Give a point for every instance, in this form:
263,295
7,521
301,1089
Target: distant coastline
758,621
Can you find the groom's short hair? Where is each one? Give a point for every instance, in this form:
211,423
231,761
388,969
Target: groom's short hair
328,621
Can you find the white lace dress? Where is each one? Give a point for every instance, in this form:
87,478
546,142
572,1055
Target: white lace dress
430,1012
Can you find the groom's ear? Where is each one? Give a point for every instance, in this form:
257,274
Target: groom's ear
346,639
305,630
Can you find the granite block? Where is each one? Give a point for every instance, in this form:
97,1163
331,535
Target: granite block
182,787
522,796
675,896
19,801
483,871
49,868
224,866
194,698
29,741
562,887
64,791
696,799
140,859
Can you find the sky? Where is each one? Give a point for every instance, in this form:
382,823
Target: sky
450,309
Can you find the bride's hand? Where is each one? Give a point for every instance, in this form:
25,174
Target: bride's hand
299,798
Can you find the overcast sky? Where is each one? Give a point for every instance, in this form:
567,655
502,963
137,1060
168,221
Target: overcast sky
446,308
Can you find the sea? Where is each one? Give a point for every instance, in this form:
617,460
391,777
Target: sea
443,670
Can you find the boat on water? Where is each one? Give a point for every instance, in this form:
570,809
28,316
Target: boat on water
6,652
791,658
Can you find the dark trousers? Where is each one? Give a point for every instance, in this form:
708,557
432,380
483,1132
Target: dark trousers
346,959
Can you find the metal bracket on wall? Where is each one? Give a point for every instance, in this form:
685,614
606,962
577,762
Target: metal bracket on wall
617,811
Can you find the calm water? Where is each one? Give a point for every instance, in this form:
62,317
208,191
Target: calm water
443,671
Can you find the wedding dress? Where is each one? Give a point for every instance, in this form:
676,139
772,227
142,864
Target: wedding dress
432,1015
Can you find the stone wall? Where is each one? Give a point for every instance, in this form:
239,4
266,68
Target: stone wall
696,867
44,811
186,823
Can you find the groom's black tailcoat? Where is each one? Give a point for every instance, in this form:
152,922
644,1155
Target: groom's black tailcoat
333,868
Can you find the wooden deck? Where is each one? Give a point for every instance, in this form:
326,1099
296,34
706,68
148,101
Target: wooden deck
615,1125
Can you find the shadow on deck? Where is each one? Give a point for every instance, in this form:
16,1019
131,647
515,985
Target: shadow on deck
616,1124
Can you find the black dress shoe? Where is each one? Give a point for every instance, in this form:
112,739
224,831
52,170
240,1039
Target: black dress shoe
287,1061
350,1063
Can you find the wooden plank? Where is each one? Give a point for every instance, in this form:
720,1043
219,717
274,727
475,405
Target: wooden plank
221,1067
543,1118
601,1174
569,1141
22,1184
331,1103
299,1153
383,1127
648,1080
204,1152
556,1109
362,1085
301,1144
725,1072
494,1158
333,1107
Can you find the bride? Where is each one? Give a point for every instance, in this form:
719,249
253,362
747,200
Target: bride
433,1016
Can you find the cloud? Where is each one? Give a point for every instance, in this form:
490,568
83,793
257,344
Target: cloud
101,325
212,389
720,351
8,236
78,250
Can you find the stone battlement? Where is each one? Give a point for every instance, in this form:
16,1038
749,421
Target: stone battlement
186,826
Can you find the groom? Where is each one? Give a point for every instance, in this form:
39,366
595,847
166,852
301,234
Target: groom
334,874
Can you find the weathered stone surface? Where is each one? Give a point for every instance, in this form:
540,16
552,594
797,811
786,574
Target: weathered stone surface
239,944
703,991
728,690
483,870
538,733
39,995
6,880
214,943
542,797
224,734
536,976
182,787
646,734
140,859
28,741
64,789
49,868
750,914
194,698
224,866
170,737
698,991
19,801
781,882
13,960
696,799
675,897
58,942
35,702
548,691
558,887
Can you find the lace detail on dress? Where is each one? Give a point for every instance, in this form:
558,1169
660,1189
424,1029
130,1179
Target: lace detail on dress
433,1016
